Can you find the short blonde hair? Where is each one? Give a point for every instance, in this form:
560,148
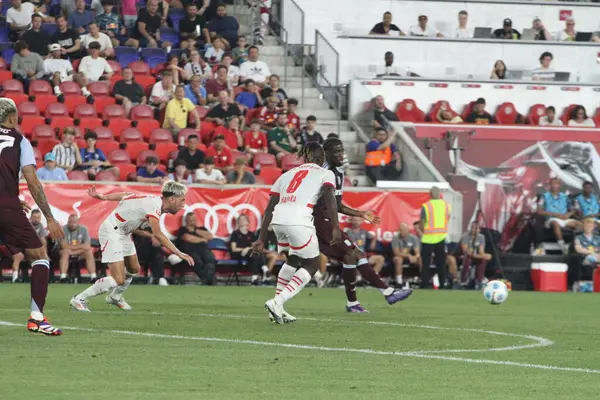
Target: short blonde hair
172,188
7,107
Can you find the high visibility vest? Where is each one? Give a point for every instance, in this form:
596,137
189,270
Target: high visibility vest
437,214
378,158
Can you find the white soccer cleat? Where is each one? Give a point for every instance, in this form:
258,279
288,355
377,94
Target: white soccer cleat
121,303
287,317
275,311
79,304
162,282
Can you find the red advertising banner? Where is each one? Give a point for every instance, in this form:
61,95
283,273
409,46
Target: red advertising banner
217,209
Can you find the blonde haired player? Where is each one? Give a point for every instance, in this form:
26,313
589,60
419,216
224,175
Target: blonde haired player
133,212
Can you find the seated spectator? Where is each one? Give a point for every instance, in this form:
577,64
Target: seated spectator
93,159
80,19
544,72
255,141
541,33
221,154
163,10
422,29
385,27
179,175
215,51
240,244
17,258
196,66
26,65
556,208
293,120
163,91
177,113
406,249
240,53
224,110
94,68
191,155
195,92
462,32
580,119
550,118
587,245
239,175
269,113
110,24
232,134
255,69
346,160
273,89
596,37
61,70
569,33
479,116
94,35
586,204
382,160
76,244
148,26
472,249
18,18
37,40
149,252
281,138
208,174
359,237
68,39
215,86
507,31
192,28
446,117
233,72
50,172
499,71
308,134
177,72
250,97
193,239
381,114
224,25
150,173
128,91
67,152
389,69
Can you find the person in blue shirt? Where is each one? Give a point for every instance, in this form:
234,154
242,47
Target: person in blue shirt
50,172
250,97
382,159
586,204
195,92
587,245
93,159
80,18
224,25
149,173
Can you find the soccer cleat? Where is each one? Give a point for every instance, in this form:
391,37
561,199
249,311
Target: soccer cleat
287,317
43,327
79,305
357,308
398,295
275,311
121,303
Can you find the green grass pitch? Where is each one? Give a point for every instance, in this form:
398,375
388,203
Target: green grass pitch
216,343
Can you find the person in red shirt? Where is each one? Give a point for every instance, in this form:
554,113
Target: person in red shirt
255,140
270,112
293,120
231,132
222,154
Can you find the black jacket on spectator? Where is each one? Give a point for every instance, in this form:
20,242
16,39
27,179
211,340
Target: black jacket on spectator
67,40
38,42
241,240
387,114
192,161
133,91
204,259
378,28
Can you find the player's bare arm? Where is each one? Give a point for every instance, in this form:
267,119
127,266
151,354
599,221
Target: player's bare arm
164,241
259,245
37,192
368,215
92,192
332,212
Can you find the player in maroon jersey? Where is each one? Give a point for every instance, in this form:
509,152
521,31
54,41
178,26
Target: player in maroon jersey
16,233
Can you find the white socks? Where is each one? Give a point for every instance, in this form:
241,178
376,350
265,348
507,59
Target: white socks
387,292
296,284
85,91
15,276
399,279
117,293
101,286
93,275
57,90
285,274
318,276
265,271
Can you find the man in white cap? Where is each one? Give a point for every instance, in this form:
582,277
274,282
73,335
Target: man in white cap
61,70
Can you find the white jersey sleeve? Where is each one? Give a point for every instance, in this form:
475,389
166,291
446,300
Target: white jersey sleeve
134,212
329,179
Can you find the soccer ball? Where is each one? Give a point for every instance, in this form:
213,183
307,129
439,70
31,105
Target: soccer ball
495,292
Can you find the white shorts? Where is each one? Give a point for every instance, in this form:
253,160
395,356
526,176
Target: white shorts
561,222
114,245
297,240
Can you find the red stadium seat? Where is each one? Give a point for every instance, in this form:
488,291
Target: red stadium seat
506,114
125,170
102,102
46,145
141,157
61,123
596,117
265,160
290,161
408,111
161,136
106,176
202,111
145,81
3,64
28,108
29,123
269,174
238,154
43,100
252,114
90,124
172,155
566,115
164,150
119,156
467,110
85,111
78,133
148,90
114,111
70,88
5,75
76,175
75,64
139,68
98,89
81,143
107,146
184,134
146,126
37,87
118,125
436,108
535,113
141,111
73,102
237,90
104,133
12,86
56,110
134,149
206,131
42,132
39,158
115,66
18,98
131,135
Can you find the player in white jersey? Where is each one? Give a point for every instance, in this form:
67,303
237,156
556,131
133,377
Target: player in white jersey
290,212
135,211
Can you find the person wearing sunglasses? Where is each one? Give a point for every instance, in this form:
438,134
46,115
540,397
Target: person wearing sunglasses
177,112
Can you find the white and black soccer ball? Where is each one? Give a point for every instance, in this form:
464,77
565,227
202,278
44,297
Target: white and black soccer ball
495,292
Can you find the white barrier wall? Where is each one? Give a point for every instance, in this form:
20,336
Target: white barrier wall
358,17
459,94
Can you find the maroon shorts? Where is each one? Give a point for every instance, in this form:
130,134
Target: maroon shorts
324,234
16,232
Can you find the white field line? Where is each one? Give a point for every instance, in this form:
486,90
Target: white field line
328,349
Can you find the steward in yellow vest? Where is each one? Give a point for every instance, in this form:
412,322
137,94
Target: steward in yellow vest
435,214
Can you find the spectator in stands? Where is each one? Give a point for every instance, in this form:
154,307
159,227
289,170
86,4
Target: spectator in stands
569,33
381,113
308,133
383,160
195,92
148,26
293,120
81,18
239,175
224,25
179,175
110,24
60,70
544,72
67,152
580,119
149,173
214,87
241,249
254,68
177,72
196,66
541,33
163,91
215,51
76,244
93,159
389,69
507,31
550,118
499,71
255,141
596,37
192,29
94,68
149,252
163,10
422,29
445,116
586,204
472,249
274,89
462,32
406,249
50,172
479,116
128,91
233,72
68,39
221,154
556,208
129,13
250,98
37,40
587,245
281,138
240,53
18,258
209,175
94,35
193,240
231,132
225,109
26,65
360,237
18,18
269,112
191,155
385,27
178,111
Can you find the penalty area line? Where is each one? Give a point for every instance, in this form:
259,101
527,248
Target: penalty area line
327,349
